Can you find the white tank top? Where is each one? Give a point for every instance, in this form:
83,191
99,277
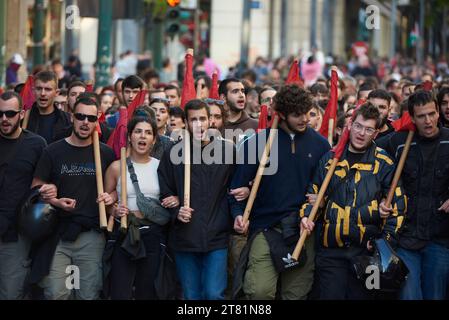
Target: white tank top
148,182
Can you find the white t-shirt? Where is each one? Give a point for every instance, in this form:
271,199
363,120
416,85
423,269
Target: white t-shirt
148,182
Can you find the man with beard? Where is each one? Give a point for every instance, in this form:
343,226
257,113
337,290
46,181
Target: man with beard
424,239
199,233
20,151
77,240
274,224
443,103
232,92
354,208
217,114
47,121
381,99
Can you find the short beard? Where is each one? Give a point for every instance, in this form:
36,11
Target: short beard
77,134
233,107
13,130
383,122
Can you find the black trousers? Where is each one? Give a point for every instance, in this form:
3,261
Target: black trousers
140,274
336,279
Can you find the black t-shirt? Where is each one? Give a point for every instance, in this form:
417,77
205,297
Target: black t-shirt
72,170
16,174
46,125
353,158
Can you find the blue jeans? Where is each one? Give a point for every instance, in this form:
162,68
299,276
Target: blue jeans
203,276
429,272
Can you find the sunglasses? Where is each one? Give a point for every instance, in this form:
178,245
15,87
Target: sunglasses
82,117
210,101
9,113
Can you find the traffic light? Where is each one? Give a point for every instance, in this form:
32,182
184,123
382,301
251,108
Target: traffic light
173,3
175,21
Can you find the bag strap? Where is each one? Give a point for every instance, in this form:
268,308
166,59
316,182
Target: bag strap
133,176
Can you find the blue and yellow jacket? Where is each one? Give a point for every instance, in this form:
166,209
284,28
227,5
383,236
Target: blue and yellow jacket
351,215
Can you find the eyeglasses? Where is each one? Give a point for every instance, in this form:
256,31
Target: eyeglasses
359,128
210,101
9,113
82,117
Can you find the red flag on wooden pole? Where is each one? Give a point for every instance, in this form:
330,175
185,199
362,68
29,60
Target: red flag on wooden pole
27,94
138,100
330,114
188,85
213,94
293,75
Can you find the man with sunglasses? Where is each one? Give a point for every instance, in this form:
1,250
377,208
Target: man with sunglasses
77,241
45,119
354,209
382,99
20,151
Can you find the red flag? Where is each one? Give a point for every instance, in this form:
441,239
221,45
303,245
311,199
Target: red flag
102,118
427,85
138,100
293,75
90,87
340,147
332,105
213,93
27,94
263,118
118,138
404,123
360,102
188,85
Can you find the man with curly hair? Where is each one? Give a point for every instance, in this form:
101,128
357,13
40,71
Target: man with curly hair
274,226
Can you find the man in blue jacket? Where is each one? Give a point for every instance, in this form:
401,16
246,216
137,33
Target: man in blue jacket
274,226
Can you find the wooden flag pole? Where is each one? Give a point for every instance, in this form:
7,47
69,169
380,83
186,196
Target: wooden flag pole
187,168
99,177
397,174
187,158
124,193
260,170
316,206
